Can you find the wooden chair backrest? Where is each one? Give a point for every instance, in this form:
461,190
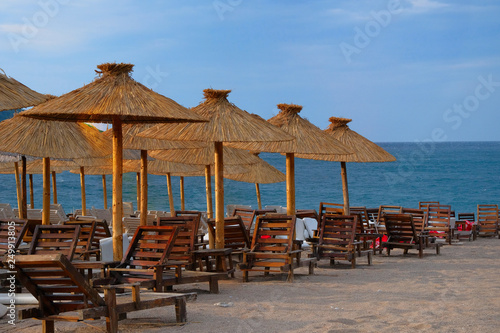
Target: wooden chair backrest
50,239
235,233
273,234
11,230
194,214
150,246
337,233
9,213
487,218
471,217
101,230
419,218
400,228
185,240
438,215
247,216
384,209
56,283
363,219
330,208
302,213
130,224
423,204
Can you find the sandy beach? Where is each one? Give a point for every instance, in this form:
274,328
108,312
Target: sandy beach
457,291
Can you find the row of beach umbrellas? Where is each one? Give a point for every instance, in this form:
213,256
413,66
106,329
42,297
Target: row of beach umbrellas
210,135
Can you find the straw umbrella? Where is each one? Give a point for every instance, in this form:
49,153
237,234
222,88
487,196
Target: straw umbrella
259,173
227,123
132,141
28,136
116,98
308,139
15,95
363,150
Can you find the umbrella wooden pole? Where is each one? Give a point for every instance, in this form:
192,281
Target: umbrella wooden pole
82,185
32,199
18,190
54,188
345,190
117,188
210,212
144,187
46,191
170,195
219,196
138,181
181,184
24,199
290,183
257,192
105,192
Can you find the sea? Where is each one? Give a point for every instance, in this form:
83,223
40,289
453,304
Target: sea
461,174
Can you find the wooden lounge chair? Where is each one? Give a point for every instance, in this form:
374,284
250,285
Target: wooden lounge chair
487,221
11,235
50,239
383,209
337,240
183,253
439,221
272,249
130,224
246,215
235,234
147,256
424,204
101,231
64,294
366,231
419,218
401,233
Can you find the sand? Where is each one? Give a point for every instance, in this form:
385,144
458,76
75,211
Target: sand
457,291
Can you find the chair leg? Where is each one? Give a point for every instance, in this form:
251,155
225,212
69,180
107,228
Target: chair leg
214,285
290,273
180,310
370,258
47,326
245,276
311,267
112,318
353,261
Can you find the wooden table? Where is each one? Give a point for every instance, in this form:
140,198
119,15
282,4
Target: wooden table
220,256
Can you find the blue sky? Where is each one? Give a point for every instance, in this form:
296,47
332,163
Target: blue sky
407,70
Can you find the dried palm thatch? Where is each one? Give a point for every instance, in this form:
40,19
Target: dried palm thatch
363,149
36,167
15,95
55,139
308,137
227,123
205,156
261,173
160,167
132,141
228,170
113,94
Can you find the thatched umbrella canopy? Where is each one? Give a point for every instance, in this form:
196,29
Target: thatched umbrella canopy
259,173
132,141
227,123
363,150
116,98
15,95
46,139
308,139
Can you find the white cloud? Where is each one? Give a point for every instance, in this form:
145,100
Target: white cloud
424,6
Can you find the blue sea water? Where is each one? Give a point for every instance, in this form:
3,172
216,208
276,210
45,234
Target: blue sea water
462,174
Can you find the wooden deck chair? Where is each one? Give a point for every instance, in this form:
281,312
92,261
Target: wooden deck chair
130,224
128,209
64,294
466,226
247,216
11,236
419,218
384,209
235,234
401,233
102,214
199,242
367,232
487,220
50,239
439,221
272,250
337,240
147,256
99,230
424,204
183,253
7,208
